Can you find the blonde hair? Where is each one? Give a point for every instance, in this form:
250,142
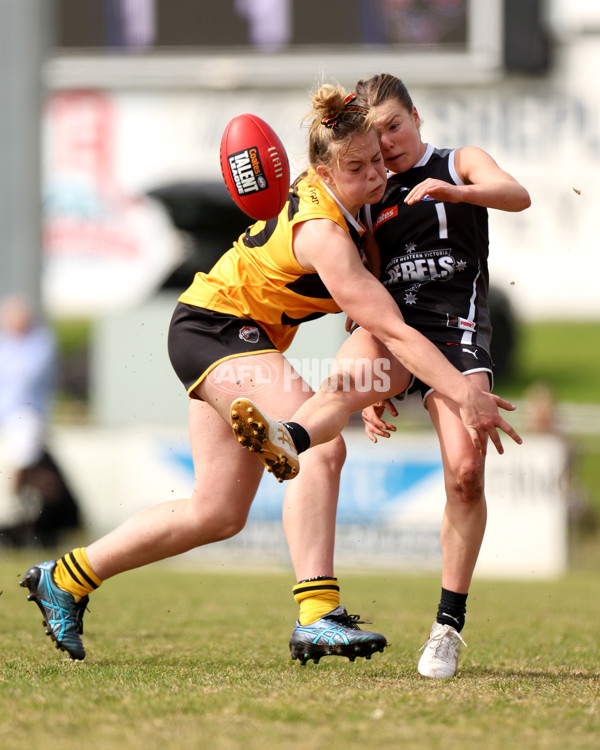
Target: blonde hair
336,117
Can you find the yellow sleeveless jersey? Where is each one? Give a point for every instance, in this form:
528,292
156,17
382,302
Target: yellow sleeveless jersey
260,278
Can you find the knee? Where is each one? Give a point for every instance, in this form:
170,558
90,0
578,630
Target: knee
215,524
330,456
466,483
227,527
336,453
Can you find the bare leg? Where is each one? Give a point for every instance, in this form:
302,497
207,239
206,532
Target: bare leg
324,416
365,372
465,514
310,503
226,479
309,510
463,526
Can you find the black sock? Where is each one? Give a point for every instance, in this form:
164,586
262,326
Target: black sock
452,609
299,435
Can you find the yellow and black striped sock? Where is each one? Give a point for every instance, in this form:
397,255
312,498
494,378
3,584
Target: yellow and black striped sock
74,574
316,597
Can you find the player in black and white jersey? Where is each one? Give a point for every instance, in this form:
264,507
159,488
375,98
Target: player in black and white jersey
434,256
431,230
430,251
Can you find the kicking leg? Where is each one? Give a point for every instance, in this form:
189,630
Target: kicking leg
364,372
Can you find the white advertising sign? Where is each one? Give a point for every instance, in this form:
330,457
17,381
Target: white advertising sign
390,507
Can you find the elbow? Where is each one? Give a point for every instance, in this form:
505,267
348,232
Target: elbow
515,200
524,201
519,205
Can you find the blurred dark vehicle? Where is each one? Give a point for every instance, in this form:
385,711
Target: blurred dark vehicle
505,333
209,221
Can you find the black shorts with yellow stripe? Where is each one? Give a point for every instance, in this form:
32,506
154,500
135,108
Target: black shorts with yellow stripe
200,339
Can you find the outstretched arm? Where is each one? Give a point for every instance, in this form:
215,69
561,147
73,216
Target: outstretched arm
485,184
322,246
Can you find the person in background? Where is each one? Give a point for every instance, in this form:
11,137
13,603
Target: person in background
269,22
45,503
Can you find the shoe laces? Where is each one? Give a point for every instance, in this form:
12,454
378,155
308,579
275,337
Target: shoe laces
350,621
447,640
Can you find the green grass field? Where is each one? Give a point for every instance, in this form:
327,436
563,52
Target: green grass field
181,658
564,355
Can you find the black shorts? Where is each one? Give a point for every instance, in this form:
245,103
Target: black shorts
200,339
465,357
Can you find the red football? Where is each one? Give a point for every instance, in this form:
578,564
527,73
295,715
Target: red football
255,166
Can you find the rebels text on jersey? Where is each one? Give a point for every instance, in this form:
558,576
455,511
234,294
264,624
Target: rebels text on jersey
434,255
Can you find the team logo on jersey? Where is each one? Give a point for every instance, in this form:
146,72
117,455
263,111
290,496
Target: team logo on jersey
384,216
251,334
247,171
418,267
421,267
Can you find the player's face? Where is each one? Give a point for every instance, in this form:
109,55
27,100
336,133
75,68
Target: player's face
399,135
359,176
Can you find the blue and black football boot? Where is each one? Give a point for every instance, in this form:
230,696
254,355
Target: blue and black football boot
63,617
335,634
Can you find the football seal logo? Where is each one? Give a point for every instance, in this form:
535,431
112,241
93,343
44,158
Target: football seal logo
247,171
251,334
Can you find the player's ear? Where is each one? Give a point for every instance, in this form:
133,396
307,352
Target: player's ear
325,174
416,118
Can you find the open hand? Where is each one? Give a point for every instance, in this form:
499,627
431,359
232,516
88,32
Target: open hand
482,420
374,424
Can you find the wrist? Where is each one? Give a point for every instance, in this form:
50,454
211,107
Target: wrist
467,392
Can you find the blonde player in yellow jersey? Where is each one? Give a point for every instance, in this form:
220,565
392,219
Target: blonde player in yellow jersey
226,339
